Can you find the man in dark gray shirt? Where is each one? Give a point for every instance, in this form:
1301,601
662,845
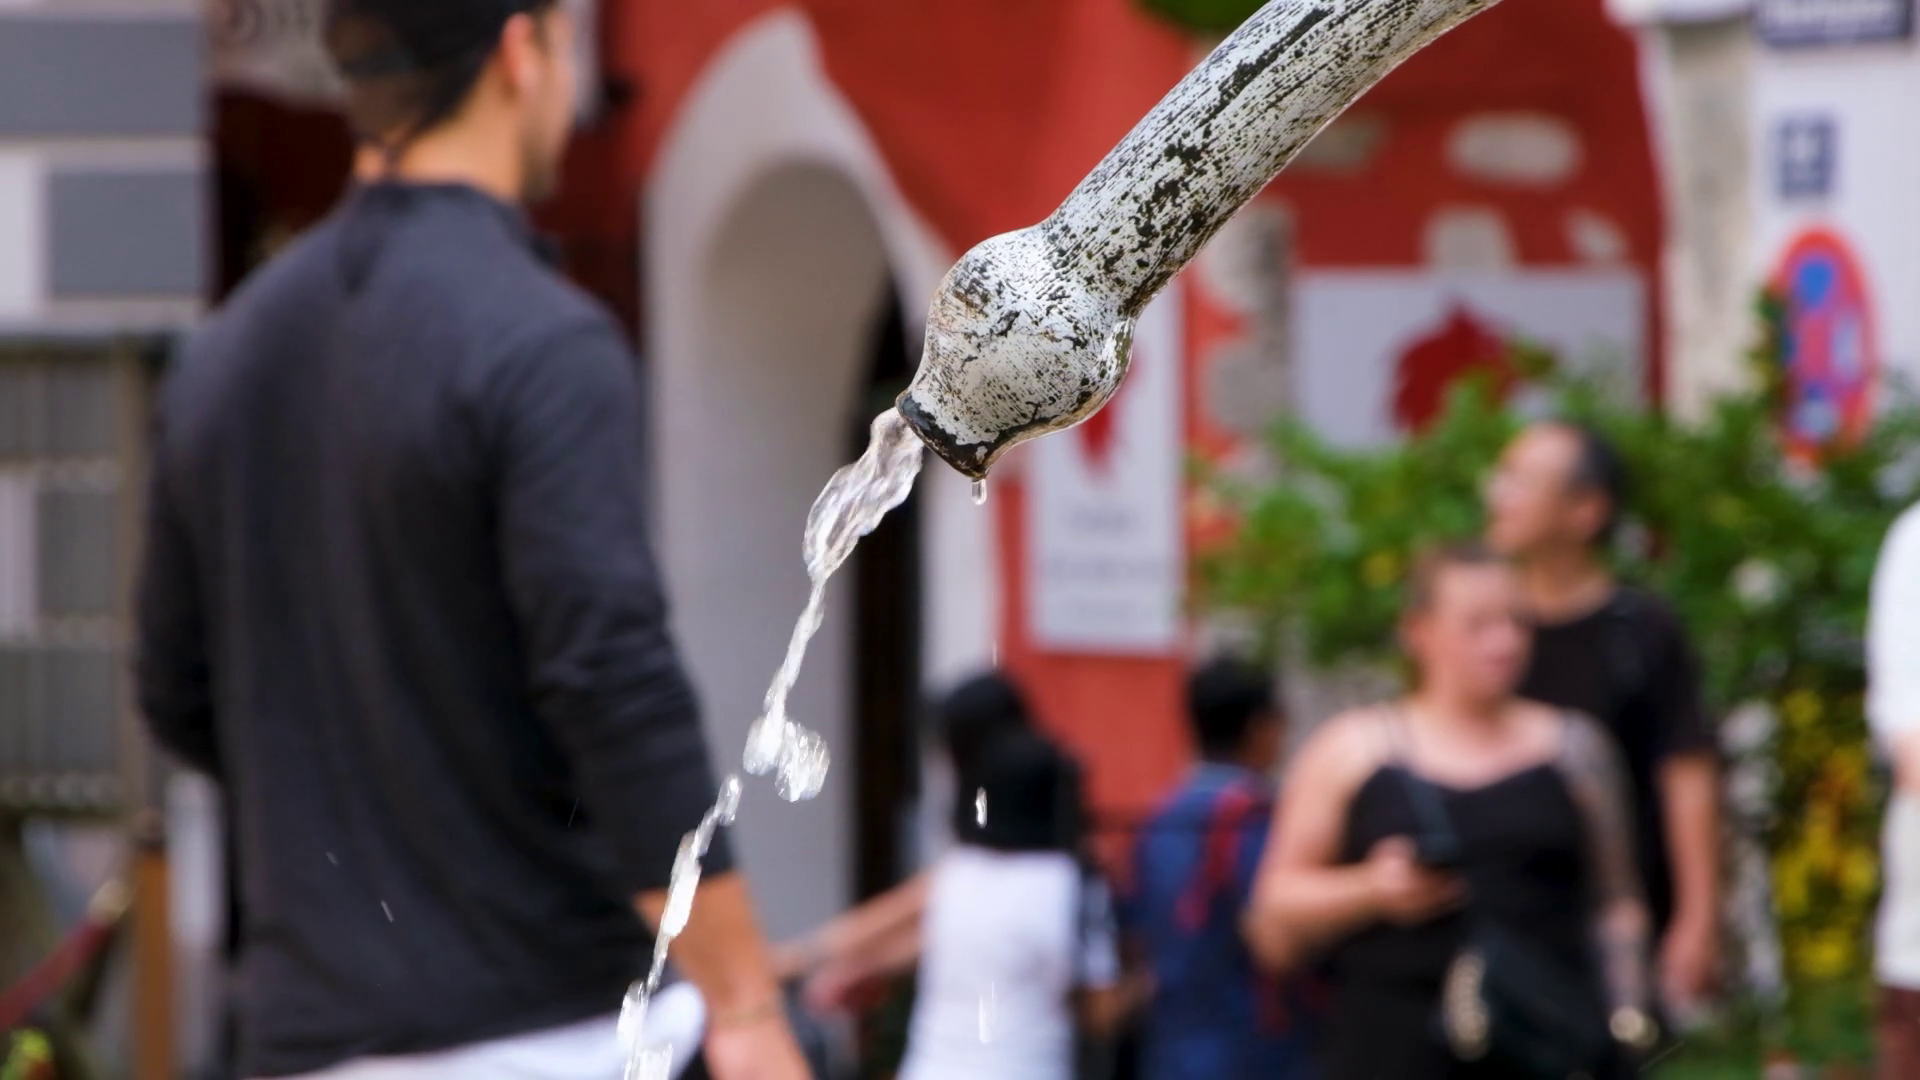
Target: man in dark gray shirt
397,598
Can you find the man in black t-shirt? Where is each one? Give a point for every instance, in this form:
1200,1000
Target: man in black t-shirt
1621,656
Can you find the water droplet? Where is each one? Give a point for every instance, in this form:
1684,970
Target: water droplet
684,882
989,1006
388,910
331,859
979,493
633,1018
803,769
766,744
727,807
980,807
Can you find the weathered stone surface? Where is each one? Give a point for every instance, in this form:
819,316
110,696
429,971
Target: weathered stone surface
1030,331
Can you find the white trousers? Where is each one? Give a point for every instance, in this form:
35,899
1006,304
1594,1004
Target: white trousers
584,1051
1897,936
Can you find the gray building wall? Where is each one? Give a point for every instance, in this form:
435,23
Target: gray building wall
105,211
105,238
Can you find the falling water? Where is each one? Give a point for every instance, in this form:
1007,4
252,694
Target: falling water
848,508
980,807
980,492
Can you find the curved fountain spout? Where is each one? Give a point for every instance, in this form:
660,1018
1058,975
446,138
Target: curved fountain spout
1031,331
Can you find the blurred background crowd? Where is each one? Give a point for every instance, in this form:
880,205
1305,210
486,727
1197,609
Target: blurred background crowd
1622,291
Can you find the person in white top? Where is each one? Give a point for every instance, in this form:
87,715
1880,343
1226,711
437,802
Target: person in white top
1017,941
1893,711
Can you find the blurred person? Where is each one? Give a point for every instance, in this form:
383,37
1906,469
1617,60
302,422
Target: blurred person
1893,711
1212,1014
1017,949
397,598
880,938
1459,822
1620,655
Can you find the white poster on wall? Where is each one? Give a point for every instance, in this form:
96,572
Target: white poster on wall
1105,558
1377,350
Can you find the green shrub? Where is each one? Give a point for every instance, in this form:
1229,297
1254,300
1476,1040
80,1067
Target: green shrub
1767,558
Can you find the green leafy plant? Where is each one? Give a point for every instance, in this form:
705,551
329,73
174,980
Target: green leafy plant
1204,16
1768,557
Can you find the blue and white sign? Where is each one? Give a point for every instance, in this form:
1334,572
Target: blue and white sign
1805,149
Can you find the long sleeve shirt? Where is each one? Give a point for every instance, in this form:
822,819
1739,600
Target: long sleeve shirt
397,598
1893,633
1893,710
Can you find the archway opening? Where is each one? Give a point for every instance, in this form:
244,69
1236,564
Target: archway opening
789,352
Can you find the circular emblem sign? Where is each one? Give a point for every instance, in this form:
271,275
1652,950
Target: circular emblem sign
1832,362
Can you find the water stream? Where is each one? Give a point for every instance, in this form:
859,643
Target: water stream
848,508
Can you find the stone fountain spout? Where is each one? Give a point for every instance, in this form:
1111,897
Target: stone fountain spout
1031,331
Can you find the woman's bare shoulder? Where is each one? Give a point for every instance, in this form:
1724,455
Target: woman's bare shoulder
1583,747
1344,749
1551,729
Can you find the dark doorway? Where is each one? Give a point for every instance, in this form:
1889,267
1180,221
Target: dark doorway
279,168
886,643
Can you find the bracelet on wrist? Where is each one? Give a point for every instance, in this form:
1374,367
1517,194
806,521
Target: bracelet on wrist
749,1016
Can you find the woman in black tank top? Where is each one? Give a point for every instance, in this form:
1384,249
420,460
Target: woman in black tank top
1539,845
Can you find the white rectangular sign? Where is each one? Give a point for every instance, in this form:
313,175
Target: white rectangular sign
1374,350
1104,542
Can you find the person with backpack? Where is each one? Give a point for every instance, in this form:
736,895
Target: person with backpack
1620,655
1212,1014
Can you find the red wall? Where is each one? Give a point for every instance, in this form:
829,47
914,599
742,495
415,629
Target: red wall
989,111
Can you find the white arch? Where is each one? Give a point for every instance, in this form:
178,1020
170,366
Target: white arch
772,225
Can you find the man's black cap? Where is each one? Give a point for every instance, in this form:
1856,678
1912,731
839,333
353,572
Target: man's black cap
375,38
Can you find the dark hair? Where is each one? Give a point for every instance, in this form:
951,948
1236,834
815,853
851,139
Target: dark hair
409,67
1598,469
1023,794
1432,563
1225,696
975,714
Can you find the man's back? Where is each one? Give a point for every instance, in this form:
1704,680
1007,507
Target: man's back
1212,1014
397,600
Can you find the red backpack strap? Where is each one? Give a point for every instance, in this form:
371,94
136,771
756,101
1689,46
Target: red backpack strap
1218,857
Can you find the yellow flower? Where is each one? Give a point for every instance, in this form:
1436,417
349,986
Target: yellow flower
1802,709
1790,885
1846,772
1826,954
1381,569
1860,875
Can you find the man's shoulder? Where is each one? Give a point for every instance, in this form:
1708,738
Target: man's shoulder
1200,805
283,300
